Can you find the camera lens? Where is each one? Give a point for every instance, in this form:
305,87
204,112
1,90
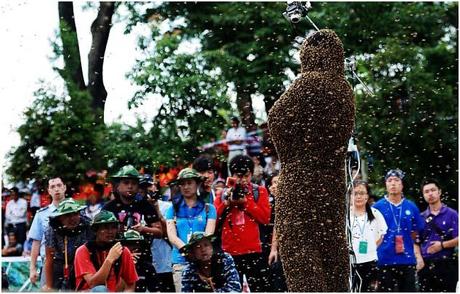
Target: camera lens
295,17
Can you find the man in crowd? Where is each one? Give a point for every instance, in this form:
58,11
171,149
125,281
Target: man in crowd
136,213
102,264
399,255
68,229
241,210
439,239
57,189
203,165
236,137
16,215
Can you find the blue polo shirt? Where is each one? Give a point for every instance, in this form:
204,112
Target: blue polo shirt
188,221
40,225
406,215
440,227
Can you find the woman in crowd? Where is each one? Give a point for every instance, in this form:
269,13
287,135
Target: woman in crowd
368,227
188,214
209,270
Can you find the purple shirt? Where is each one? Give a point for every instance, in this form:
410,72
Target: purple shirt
441,227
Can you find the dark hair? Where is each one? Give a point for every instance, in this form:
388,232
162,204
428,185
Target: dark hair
241,164
269,179
428,181
370,215
15,189
202,163
55,177
234,118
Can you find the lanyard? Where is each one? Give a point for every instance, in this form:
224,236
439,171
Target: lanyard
361,229
398,223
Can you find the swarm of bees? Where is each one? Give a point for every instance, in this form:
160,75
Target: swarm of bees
310,125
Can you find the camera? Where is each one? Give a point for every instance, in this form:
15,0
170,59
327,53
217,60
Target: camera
238,191
295,11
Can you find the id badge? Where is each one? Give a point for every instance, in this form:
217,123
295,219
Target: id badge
362,247
399,244
239,218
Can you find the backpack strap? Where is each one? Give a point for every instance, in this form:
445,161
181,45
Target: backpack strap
255,192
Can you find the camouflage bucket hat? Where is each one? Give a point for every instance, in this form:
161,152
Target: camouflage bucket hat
188,173
67,206
127,171
104,217
132,235
194,239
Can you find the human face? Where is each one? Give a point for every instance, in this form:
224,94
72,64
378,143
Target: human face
219,186
56,189
360,196
128,187
209,174
274,186
106,233
188,187
431,193
243,179
394,186
70,220
11,239
235,124
202,251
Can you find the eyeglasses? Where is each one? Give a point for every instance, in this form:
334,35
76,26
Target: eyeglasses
361,193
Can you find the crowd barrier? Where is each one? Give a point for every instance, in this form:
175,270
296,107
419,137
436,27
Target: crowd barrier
17,271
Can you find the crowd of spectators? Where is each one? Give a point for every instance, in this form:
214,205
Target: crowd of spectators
209,227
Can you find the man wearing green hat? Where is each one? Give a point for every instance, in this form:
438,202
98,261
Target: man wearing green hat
103,264
209,269
136,213
67,230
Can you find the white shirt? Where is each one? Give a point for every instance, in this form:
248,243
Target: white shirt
362,230
16,211
238,134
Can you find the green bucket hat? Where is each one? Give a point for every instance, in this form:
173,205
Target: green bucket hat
104,217
127,171
194,239
132,235
67,206
188,173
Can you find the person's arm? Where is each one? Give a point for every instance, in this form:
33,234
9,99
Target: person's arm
418,256
153,229
210,226
273,256
172,234
231,277
49,268
100,277
261,209
187,280
33,261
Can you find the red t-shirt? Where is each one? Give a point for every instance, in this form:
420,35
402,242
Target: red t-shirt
83,266
242,237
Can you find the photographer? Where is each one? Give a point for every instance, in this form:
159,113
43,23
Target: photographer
101,265
136,213
241,208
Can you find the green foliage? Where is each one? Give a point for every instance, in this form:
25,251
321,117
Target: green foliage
408,57
62,129
194,99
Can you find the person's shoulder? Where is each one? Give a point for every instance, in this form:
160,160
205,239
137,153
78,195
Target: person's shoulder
110,205
451,211
41,210
82,249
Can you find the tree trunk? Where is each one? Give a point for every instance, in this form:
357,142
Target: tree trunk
244,105
70,48
100,30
